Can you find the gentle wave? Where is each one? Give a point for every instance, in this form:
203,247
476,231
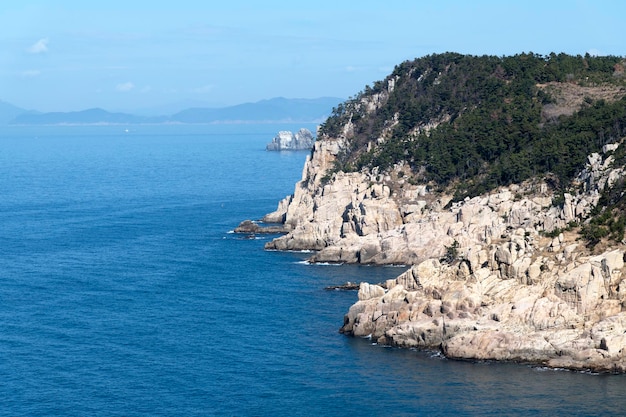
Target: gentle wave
306,262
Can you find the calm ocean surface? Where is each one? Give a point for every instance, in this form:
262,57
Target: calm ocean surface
123,294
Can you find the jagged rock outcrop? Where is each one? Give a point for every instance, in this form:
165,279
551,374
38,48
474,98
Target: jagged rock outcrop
313,226
573,318
287,141
359,218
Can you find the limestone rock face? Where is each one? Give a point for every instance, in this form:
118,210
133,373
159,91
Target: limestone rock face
367,217
485,315
314,211
483,280
288,141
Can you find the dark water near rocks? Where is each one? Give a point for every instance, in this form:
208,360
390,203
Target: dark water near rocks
122,293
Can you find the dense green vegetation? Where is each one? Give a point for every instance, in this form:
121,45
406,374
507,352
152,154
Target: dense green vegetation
492,129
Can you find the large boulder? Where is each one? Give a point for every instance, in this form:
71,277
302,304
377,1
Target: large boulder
288,141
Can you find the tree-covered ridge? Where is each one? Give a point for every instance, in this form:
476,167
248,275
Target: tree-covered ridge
491,126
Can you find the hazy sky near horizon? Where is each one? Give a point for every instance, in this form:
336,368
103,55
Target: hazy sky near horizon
62,55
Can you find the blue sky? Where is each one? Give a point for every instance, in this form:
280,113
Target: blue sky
61,55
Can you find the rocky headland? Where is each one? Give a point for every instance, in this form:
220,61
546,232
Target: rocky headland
522,271
288,141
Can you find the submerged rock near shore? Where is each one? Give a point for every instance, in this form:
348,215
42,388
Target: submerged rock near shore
250,227
287,141
523,271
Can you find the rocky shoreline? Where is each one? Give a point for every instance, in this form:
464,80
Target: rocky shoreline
569,321
511,290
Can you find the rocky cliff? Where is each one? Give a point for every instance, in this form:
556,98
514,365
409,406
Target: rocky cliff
502,274
287,141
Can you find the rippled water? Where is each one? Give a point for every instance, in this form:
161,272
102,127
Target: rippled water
122,293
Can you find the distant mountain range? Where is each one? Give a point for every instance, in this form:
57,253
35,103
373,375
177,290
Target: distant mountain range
8,112
90,116
272,110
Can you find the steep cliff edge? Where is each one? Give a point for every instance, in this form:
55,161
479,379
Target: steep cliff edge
500,182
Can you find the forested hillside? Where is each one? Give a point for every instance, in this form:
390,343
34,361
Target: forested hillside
478,122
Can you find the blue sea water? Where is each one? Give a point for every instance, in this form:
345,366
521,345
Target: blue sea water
122,293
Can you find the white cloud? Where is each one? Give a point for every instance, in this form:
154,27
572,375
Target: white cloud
39,47
127,86
30,73
204,89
